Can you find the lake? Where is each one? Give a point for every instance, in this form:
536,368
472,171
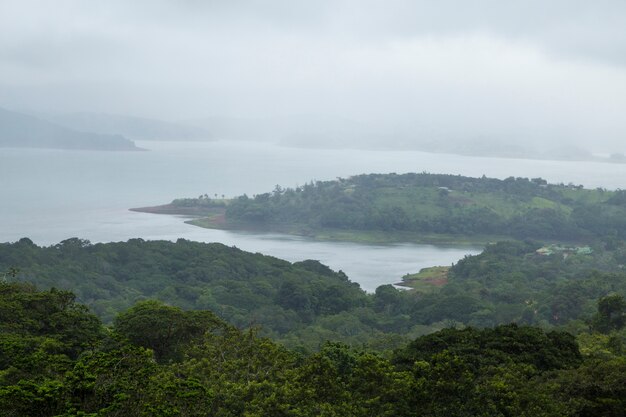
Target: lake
51,195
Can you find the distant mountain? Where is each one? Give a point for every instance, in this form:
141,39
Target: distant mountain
137,128
306,130
240,128
24,131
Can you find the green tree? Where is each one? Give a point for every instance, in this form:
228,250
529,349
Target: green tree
611,314
165,329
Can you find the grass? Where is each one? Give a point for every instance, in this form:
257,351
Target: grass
425,201
427,279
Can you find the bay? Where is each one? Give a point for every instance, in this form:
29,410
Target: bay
51,195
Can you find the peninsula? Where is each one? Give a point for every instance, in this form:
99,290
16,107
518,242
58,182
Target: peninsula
423,207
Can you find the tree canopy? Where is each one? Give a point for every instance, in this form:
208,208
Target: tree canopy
191,363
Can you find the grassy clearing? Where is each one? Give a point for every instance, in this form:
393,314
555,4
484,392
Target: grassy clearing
586,195
427,279
429,203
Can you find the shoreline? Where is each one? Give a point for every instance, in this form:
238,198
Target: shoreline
173,210
368,237
215,219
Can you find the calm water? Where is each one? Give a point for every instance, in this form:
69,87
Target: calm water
50,195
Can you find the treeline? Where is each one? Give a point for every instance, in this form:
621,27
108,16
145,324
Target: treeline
440,204
56,359
302,304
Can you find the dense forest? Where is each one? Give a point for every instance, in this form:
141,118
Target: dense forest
302,304
422,204
57,359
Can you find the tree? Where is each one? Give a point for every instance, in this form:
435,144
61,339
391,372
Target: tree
611,314
165,329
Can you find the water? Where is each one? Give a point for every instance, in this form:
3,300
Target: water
51,195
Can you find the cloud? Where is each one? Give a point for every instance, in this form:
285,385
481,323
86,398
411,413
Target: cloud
549,69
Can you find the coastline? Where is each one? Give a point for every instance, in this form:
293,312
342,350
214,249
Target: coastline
215,218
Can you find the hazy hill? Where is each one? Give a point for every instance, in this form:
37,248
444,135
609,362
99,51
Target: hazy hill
25,131
301,130
319,131
238,128
138,128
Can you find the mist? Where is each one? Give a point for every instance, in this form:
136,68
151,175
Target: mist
355,73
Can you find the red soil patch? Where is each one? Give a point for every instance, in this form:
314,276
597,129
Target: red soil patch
437,282
219,219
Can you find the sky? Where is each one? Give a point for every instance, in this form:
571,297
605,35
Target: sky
516,70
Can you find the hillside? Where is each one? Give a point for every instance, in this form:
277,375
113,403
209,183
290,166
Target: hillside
241,287
304,303
19,130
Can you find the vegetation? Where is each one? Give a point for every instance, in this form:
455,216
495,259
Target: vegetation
411,206
300,303
158,360
426,280
303,304
514,281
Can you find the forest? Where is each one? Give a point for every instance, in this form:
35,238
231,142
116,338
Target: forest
302,304
57,359
425,204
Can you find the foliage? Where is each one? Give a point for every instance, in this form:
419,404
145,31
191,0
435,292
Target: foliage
224,372
512,282
243,288
493,347
611,313
165,329
302,304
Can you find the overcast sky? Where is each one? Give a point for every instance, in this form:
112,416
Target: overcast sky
552,68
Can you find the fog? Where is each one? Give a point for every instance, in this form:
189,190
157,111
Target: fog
369,72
